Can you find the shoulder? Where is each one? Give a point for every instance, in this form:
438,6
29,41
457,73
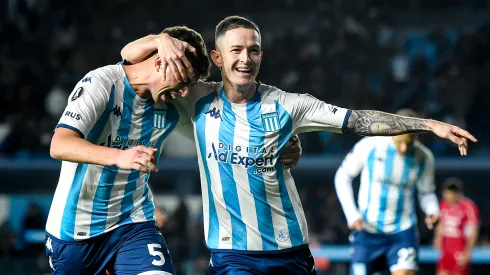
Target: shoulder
103,78
468,203
424,152
367,144
197,92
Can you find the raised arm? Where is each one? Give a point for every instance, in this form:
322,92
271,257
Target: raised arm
170,50
376,123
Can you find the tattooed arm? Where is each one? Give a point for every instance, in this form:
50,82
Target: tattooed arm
375,123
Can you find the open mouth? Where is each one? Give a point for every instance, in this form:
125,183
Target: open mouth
244,71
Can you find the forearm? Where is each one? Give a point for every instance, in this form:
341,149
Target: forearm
138,50
78,150
470,243
343,187
376,123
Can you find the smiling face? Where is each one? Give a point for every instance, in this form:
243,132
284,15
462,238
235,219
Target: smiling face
238,55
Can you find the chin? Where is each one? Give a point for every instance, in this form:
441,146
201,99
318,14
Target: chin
240,81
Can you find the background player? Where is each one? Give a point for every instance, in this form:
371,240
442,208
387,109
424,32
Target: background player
240,126
109,139
457,231
384,226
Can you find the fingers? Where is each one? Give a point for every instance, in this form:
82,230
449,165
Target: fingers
466,134
164,70
175,70
145,159
189,47
188,67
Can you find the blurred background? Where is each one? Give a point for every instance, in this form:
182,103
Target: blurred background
432,56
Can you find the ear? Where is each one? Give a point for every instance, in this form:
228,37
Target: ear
158,63
216,57
261,55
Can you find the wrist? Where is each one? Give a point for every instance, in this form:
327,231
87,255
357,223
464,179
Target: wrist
430,124
114,156
157,39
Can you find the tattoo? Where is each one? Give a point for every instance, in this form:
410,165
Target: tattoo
375,123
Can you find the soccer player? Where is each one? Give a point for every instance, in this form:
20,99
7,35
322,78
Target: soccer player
457,231
384,225
254,221
109,139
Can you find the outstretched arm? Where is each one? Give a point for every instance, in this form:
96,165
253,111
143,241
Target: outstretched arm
376,123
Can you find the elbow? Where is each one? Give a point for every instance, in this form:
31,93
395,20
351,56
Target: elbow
56,149
55,152
124,53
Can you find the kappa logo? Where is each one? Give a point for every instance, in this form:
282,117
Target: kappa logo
87,79
49,244
116,110
214,113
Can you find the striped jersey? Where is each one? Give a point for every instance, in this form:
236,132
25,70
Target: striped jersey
92,199
388,182
250,201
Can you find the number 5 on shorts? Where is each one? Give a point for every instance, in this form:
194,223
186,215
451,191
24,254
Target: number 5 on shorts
161,259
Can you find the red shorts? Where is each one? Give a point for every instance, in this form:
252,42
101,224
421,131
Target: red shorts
448,263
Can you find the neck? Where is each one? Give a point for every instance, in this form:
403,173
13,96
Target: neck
239,94
139,80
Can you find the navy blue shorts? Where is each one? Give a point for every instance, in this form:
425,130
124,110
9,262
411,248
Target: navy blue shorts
296,262
128,250
377,252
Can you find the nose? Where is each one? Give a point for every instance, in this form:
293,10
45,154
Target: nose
244,56
403,148
184,91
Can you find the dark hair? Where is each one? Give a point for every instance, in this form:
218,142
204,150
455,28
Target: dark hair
200,61
234,22
453,184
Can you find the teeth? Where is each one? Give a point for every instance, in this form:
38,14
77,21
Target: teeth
243,70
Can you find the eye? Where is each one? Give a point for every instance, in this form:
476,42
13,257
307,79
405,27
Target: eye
235,51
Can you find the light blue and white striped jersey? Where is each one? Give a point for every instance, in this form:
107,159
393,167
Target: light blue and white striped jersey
250,201
388,182
93,199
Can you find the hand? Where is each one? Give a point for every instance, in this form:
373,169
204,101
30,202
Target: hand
357,225
291,154
139,158
453,133
172,54
463,258
431,220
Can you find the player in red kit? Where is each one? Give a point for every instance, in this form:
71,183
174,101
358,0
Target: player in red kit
457,231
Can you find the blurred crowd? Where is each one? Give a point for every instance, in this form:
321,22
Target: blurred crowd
356,56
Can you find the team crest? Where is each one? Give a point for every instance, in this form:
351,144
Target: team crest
270,121
159,118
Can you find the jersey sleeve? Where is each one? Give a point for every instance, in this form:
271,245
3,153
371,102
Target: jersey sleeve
354,162
86,103
472,213
426,181
311,114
